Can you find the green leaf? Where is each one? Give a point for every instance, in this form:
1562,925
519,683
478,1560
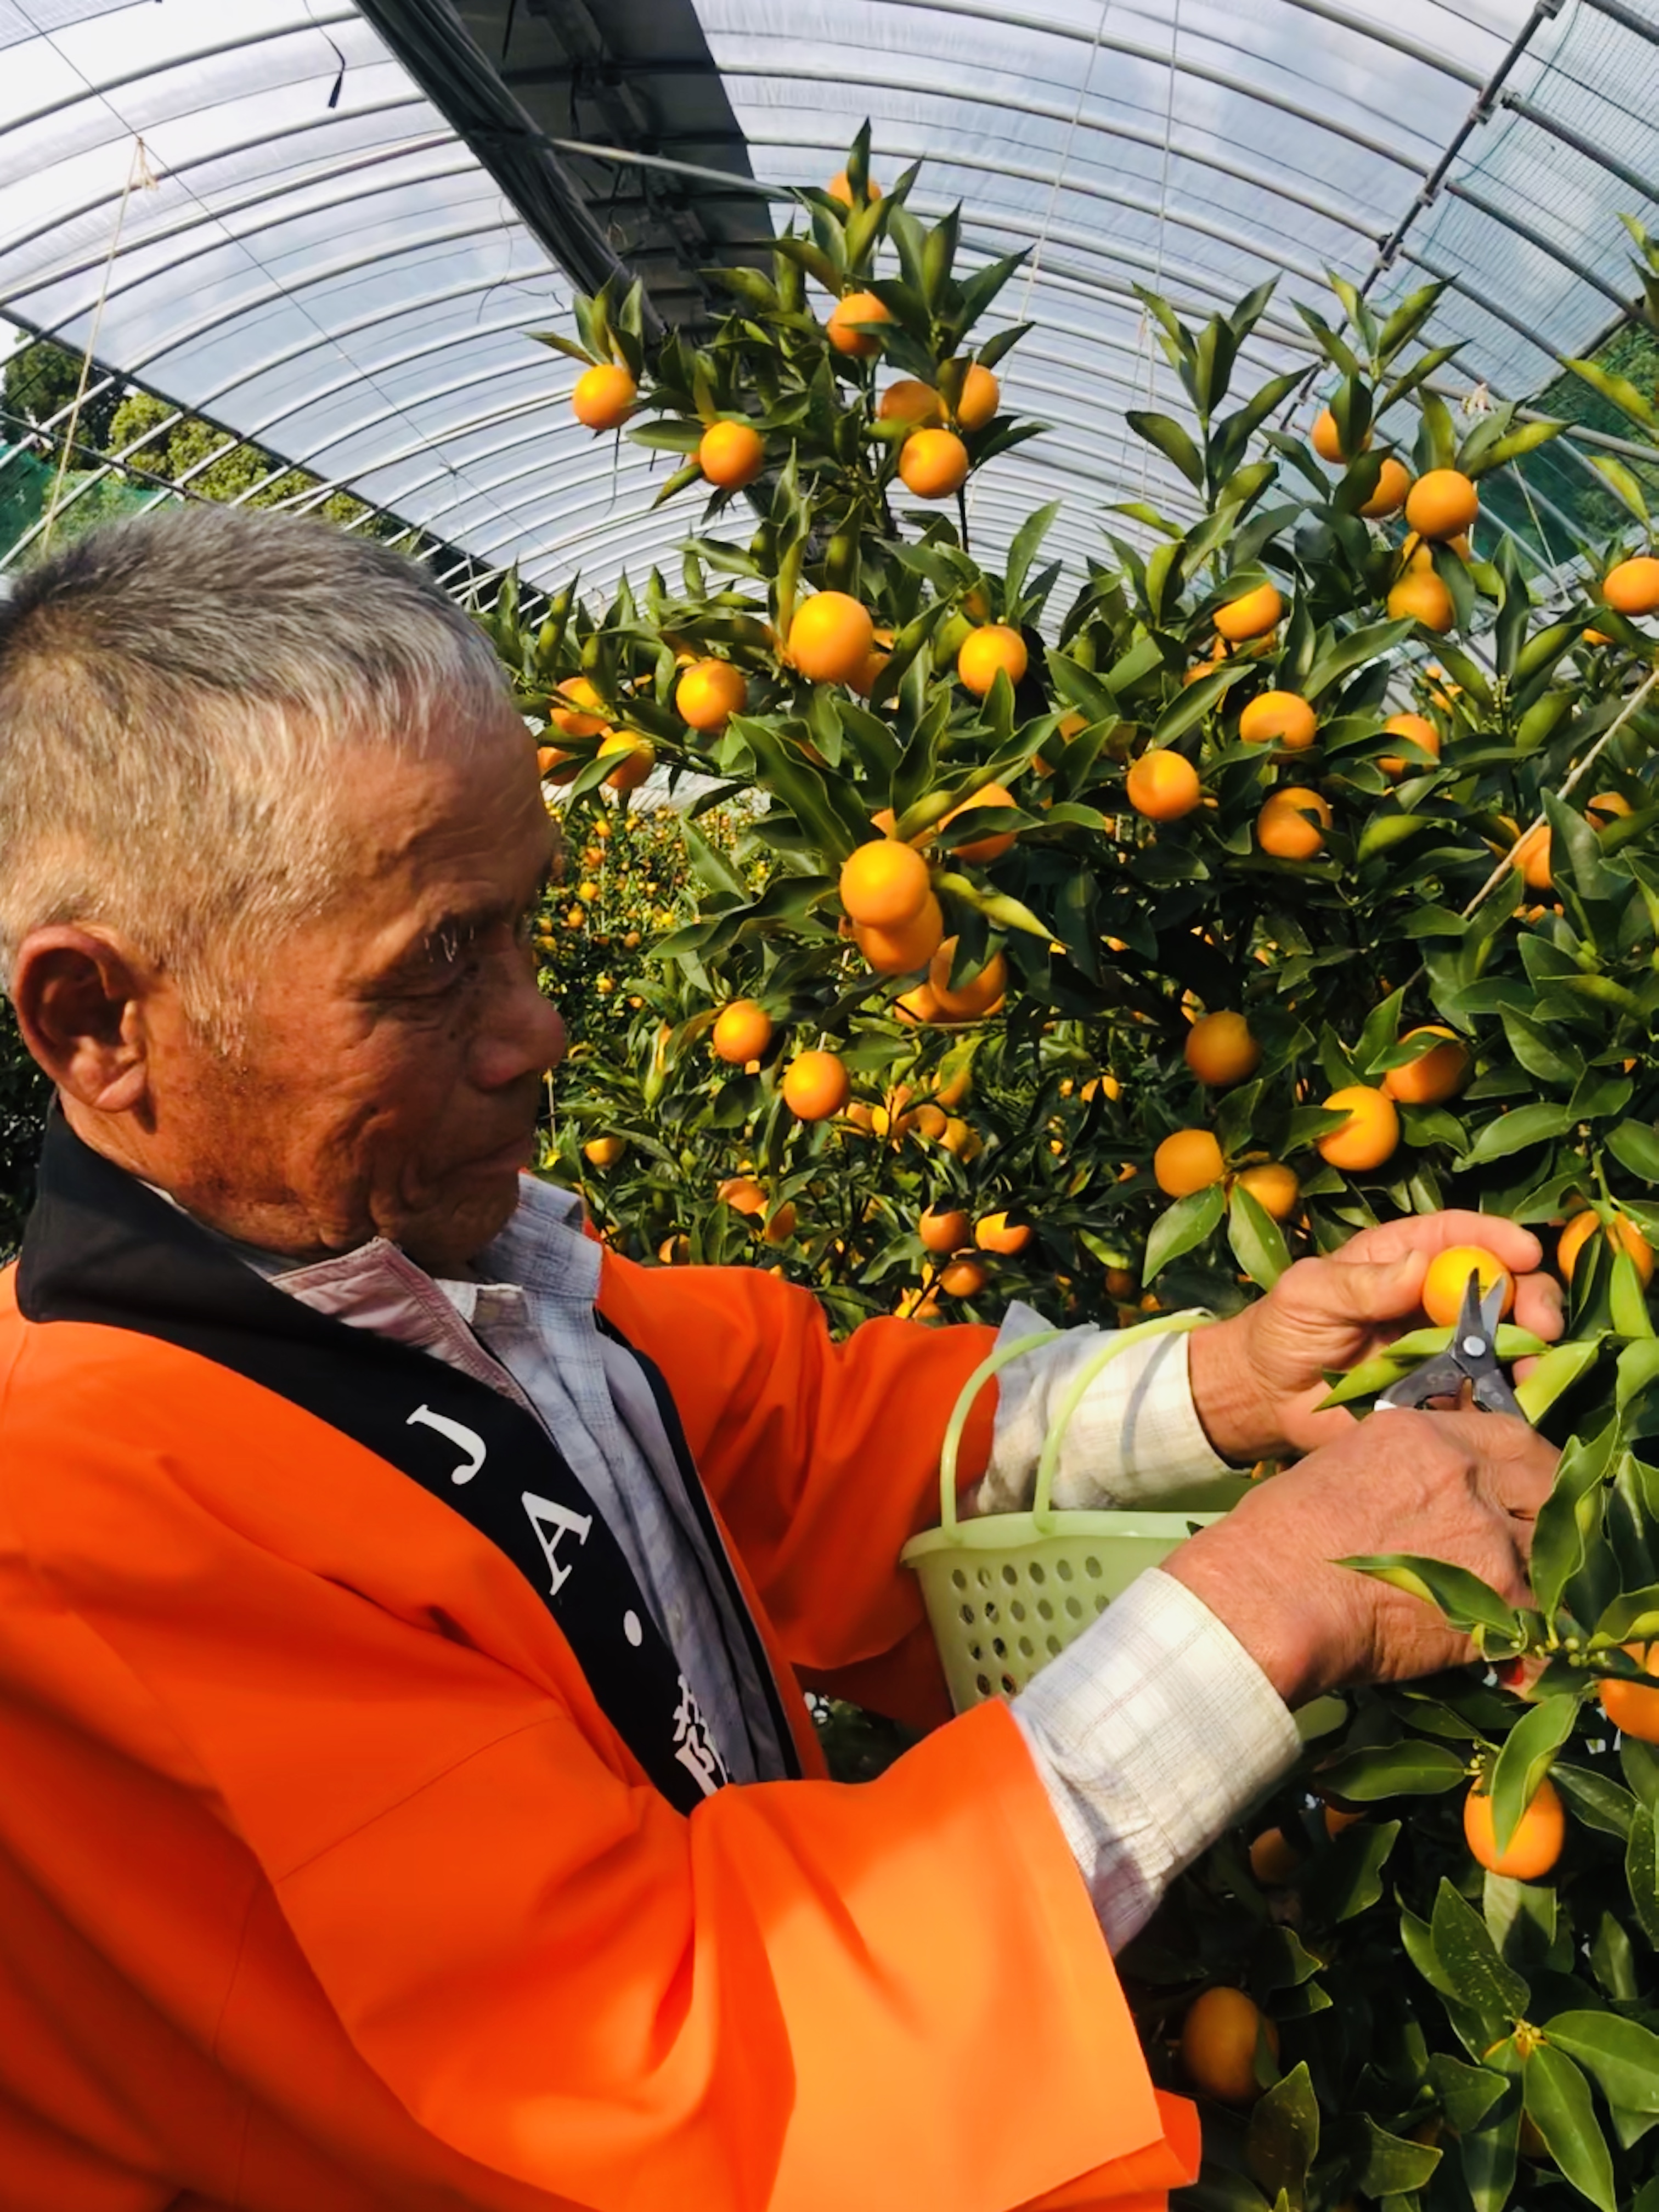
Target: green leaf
1464,1946
1555,1373
1558,2105
1467,1601
1023,550
1182,1225
1258,1243
1620,2056
1348,1878
1282,2140
1353,651
1619,390
1528,1752
1635,1145
1641,1873
1568,1519
1392,2165
1411,1769
1170,440
1598,1802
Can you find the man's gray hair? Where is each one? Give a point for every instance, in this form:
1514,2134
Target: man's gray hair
177,696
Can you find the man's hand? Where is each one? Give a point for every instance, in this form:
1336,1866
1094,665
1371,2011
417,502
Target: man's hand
1462,1487
1257,1378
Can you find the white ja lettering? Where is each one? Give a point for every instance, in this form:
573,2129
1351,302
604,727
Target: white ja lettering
549,1521
468,1440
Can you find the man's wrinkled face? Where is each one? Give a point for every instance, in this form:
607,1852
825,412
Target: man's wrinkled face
397,1047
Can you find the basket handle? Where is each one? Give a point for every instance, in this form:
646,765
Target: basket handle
1118,1340
991,1364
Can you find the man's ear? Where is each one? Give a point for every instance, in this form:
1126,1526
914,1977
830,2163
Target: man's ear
79,999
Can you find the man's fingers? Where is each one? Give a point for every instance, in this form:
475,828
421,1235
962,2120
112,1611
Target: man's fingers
1429,1233
1540,1306
1516,1465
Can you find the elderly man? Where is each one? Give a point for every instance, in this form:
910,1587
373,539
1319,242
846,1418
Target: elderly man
410,1799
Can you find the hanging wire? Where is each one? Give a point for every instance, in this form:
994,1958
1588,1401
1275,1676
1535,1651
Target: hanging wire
140,178
1157,265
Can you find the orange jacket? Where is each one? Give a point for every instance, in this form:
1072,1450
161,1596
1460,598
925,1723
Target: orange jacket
326,1885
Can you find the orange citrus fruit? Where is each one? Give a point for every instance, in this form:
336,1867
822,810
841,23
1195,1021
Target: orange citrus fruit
1439,1074
731,454
674,1251
1441,503
1163,785
1531,854
996,1233
1419,731
1220,1050
993,649
577,710
743,1194
1392,487
963,1279
918,1005
605,1152
905,944
910,400
839,188
1278,718
1448,1277
857,308
885,883
830,638
933,463
1274,1858
1608,807
638,760
1283,828
1327,439
1369,1134
1631,1709
1251,615
1579,1231
555,766
708,694
1536,1843
742,1032
1273,1186
1632,588
1219,2038
815,1085
1422,598
983,850
1188,1161
981,994
943,1233
981,395
781,1226
602,396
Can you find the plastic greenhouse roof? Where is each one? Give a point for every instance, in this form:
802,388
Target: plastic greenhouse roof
350,284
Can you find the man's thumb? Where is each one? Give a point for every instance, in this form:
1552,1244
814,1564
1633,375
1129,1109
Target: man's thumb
1380,1289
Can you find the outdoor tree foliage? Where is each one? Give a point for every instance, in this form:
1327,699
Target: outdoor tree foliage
1486,880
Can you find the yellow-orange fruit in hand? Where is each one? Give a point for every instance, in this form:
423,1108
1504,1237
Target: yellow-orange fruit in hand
1253,614
1531,854
602,396
743,1194
1163,785
742,1032
981,994
1632,588
981,395
983,850
638,760
1392,487
1219,1050
1632,1708
1583,1226
1188,1161
1368,1136
1437,1075
1327,439
1219,2042
1441,503
993,649
910,400
1283,828
731,454
906,945
1273,1186
857,308
1448,1277
1422,598
885,883
996,1233
942,1234
577,710
840,187
708,694
1420,731
1278,718
815,1086
933,463
1536,1843
830,638
1273,1858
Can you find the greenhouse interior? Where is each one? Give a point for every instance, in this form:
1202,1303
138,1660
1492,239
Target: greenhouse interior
828,1105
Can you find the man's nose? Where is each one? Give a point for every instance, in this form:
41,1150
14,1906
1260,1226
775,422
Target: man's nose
527,1037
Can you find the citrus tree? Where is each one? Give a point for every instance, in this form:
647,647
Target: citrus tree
1300,873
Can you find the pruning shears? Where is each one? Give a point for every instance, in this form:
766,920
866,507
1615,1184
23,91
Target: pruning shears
1469,1363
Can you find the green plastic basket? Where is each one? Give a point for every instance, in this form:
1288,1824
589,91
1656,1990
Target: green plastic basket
1007,1592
